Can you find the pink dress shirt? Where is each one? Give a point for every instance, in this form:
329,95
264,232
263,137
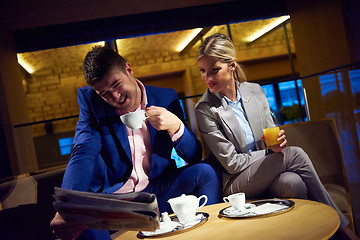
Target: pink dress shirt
140,145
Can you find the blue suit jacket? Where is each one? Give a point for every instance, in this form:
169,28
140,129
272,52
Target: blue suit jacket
96,164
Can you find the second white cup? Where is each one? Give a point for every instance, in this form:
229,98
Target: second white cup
134,120
236,200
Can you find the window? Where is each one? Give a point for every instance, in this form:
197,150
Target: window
288,93
65,145
331,82
284,100
354,76
270,96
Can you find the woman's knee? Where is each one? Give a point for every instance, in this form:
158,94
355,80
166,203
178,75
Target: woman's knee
296,155
299,151
289,185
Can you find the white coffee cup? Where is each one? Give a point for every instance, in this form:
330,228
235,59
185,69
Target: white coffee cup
186,206
236,200
134,120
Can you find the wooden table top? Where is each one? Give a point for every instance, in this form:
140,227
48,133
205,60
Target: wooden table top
307,220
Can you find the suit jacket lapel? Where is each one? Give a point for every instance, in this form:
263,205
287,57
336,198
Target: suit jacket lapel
151,101
107,115
251,109
121,134
249,106
229,118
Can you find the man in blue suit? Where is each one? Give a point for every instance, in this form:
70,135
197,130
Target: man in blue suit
108,157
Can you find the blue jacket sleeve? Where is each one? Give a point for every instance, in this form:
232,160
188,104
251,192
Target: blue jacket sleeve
86,149
188,146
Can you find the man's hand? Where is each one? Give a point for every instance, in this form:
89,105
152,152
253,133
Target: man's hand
278,147
66,230
161,119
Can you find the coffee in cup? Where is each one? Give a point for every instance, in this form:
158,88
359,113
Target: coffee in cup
134,120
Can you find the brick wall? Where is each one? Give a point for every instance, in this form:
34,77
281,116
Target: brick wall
52,94
51,91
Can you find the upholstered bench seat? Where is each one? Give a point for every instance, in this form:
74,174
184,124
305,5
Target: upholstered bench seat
319,139
27,206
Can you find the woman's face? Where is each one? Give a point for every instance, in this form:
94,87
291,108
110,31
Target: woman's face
217,75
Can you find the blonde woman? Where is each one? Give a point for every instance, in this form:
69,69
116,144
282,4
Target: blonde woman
231,116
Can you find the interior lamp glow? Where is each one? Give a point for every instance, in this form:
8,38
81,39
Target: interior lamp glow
267,28
188,39
25,64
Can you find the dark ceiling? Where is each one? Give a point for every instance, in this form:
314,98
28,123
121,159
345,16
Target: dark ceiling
65,30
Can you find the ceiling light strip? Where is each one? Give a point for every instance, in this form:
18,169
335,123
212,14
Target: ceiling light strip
25,64
188,39
198,37
267,28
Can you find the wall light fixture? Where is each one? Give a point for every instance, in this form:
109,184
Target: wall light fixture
267,28
25,64
188,39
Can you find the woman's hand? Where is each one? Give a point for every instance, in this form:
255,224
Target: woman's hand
161,119
281,139
66,230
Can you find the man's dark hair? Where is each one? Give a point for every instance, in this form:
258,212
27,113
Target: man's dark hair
99,62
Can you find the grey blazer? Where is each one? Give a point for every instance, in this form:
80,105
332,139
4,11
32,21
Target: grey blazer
222,131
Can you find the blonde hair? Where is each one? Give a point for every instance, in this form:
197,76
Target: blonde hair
221,47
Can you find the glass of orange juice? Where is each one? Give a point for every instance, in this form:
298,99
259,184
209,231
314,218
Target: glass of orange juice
271,135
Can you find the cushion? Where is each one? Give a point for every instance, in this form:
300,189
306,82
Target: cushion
339,195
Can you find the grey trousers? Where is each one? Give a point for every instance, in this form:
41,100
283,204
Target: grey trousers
287,174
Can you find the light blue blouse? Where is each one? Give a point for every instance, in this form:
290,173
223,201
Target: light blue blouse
240,114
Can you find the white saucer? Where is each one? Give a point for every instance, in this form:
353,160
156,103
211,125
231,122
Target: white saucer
238,212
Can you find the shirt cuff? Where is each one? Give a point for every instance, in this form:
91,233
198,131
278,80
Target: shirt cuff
178,134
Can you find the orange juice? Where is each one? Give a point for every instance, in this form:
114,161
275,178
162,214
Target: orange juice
271,135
